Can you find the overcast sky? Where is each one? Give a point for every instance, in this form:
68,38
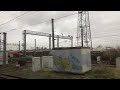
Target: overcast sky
103,23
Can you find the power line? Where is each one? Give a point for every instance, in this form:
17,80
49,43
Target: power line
107,36
22,27
14,18
107,32
28,26
112,42
42,22
107,41
65,16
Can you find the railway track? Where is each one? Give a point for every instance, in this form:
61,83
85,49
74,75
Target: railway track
5,76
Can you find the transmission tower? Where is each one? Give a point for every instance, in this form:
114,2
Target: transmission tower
83,30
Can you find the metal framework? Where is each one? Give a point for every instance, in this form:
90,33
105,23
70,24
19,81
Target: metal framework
4,46
25,32
83,30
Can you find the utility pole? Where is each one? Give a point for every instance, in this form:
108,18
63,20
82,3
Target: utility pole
52,21
4,48
57,41
49,41
81,37
81,26
35,48
24,40
19,46
71,41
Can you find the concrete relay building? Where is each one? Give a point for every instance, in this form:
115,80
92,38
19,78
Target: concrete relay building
72,59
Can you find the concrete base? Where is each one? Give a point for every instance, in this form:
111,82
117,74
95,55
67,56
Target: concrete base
47,63
1,58
36,64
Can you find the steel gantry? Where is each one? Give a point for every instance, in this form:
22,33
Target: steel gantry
25,32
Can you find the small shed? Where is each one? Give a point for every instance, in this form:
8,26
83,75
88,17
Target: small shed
75,60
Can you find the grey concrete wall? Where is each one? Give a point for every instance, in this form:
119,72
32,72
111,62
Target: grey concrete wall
72,60
86,60
47,62
36,64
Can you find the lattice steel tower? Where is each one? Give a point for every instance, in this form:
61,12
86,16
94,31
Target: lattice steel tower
83,30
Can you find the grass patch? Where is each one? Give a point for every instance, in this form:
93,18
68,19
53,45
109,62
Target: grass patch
95,73
103,73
